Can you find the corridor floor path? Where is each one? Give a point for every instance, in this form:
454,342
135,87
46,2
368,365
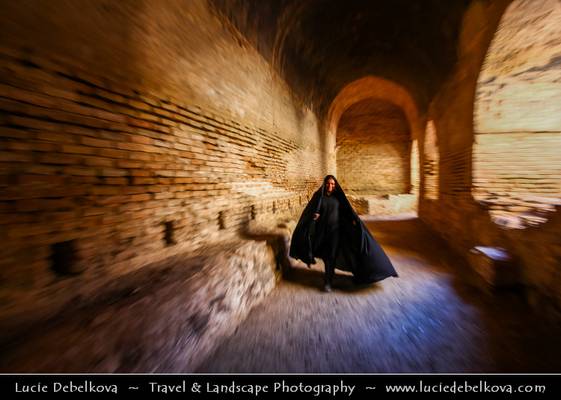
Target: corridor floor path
430,319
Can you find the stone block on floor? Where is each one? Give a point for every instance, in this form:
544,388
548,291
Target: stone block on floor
495,266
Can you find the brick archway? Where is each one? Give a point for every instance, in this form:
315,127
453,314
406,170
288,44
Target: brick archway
376,88
372,125
517,123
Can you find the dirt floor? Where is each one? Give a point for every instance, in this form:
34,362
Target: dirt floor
433,318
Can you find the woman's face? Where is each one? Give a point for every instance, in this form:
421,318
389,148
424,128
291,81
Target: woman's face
330,185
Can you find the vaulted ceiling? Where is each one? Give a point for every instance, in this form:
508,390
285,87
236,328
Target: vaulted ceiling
319,46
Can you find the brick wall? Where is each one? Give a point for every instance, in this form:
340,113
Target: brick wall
456,215
518,175
131,132
518,88
415,168
517,166
374,149
431,163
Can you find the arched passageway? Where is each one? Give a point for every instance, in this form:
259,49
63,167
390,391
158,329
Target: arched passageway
155,156
374,123
474,164
517,123
373,151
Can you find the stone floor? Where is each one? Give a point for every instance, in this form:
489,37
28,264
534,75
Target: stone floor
427,320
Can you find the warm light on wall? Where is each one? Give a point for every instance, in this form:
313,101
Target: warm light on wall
517,162
431,162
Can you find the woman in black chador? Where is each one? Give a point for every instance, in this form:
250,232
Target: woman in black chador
330,229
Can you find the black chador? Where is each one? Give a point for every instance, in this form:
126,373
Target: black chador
330,229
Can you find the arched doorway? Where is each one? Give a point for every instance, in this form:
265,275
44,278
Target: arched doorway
373,124
517,122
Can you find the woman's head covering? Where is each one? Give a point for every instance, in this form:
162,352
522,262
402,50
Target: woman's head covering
337,186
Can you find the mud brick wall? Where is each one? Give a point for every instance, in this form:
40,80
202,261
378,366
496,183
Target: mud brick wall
534,167
431,163
374,149
518,175
517,166
131,132
464,221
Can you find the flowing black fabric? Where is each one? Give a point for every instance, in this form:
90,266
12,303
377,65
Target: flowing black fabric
332,236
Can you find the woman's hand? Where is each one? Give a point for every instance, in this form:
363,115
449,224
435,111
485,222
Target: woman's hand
316,216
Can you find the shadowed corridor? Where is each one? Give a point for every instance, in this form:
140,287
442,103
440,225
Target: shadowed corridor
155,157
